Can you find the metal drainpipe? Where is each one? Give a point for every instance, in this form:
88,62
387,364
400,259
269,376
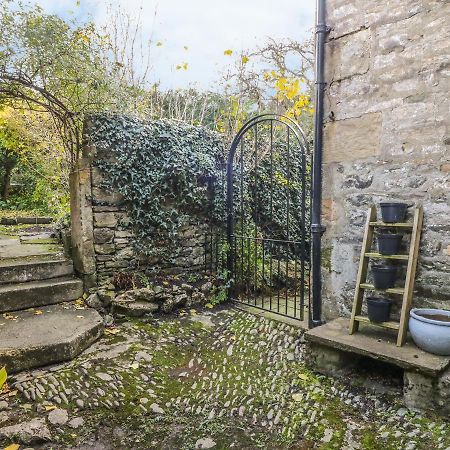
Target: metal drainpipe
315,316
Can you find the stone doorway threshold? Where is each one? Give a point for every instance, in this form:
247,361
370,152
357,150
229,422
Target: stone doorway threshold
426,377
295,322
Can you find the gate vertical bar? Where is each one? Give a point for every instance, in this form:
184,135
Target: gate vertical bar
230,226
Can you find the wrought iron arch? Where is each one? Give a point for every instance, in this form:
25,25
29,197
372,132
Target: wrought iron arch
269,269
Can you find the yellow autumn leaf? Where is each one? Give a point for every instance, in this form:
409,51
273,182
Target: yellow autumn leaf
112,331
50,407
3,377
185,66
12,447
209,305
38,312
228,52
245,59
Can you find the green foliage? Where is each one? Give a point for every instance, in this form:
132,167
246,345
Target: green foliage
31,172
59,66
162,169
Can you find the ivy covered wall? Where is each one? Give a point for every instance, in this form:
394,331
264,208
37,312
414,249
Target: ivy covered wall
142,197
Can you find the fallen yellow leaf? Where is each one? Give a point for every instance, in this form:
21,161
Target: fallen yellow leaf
112,330
3,377
228,52
12,447
50,407
8,316
38,312
209,305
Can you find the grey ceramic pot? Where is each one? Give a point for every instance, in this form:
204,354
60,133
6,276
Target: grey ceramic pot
428,332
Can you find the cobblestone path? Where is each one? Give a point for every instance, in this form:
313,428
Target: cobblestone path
221,380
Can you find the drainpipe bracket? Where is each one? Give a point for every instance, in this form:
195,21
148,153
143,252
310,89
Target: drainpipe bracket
322,28
317,323
318,228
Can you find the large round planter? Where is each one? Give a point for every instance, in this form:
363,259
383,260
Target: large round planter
384,276
392,212
389,243
378,309
430,330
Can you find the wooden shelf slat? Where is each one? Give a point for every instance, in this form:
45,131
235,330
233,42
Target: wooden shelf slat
393,225
388,291
391,324
380,256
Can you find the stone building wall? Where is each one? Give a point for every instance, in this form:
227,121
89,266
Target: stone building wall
102,238
387,135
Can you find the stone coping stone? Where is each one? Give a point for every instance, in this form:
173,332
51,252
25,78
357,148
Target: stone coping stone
58,333
25,220
379,344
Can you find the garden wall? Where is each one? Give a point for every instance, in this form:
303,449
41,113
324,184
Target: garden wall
102,235
387,135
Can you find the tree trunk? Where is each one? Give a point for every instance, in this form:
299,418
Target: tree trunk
6,182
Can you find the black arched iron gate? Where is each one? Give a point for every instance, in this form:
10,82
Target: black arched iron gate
268,216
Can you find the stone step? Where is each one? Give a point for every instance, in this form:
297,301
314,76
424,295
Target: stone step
14,297
24,270
59,334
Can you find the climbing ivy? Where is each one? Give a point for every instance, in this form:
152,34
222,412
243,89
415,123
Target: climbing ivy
169,172
165,170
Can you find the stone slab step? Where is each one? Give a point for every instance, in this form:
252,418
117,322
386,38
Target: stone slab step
14,297
59,334
24,270
378,344
12,248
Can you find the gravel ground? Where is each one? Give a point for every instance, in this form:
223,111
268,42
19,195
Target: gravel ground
212,379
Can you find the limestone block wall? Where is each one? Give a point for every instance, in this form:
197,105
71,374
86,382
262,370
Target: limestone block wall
102,237
387,135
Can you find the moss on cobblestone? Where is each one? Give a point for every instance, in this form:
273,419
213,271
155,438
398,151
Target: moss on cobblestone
241,383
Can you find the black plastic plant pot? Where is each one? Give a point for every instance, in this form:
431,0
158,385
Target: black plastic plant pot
378,309
384,276
392,212
389,243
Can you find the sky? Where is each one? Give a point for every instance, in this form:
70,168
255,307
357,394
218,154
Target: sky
197,32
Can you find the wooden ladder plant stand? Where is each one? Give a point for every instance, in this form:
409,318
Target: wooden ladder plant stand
407,291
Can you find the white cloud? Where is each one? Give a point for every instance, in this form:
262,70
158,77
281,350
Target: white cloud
206,27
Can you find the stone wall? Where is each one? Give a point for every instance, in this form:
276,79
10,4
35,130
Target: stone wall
102,238
387,135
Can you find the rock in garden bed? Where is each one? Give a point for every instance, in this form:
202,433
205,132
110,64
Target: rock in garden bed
162,295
